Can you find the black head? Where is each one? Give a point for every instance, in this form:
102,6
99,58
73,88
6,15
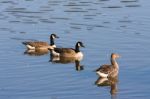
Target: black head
53,36
80,44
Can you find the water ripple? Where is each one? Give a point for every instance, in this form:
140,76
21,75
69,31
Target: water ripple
104,26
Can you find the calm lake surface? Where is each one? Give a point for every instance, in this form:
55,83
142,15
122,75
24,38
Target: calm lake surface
104,26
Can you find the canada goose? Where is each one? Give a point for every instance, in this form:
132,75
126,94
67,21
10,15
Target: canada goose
109,70
68,52
31,45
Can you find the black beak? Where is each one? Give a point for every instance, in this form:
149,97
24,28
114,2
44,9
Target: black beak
56,37
83,45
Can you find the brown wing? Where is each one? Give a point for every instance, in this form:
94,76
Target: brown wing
65,50
37,44
64,60
105,69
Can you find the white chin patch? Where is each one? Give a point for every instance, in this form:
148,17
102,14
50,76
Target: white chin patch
79,45
53,36
102,74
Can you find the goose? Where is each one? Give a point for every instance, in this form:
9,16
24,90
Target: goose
31,45
109,70
68,52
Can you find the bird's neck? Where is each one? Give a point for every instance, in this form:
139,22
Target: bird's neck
77,48
114,63
52,41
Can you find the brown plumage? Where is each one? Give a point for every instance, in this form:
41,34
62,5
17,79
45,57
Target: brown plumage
109,70
65,50
105,69
37,44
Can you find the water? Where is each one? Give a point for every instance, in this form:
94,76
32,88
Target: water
104,26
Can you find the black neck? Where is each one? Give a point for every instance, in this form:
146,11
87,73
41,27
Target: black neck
51,41
77,48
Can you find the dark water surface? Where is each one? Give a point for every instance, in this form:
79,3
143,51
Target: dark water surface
104,26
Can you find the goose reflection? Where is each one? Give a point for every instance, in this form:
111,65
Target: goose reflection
36,52
112,82
67,60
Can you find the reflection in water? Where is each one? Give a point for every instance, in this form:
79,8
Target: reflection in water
128,1
78,66
108,25
36,52
67,60
112,82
